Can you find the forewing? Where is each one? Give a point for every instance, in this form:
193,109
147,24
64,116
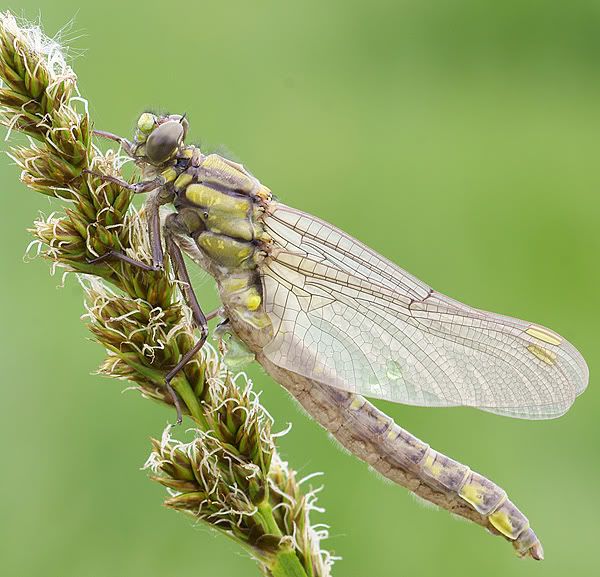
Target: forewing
349,318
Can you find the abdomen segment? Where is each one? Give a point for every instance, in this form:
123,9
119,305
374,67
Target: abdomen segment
401,457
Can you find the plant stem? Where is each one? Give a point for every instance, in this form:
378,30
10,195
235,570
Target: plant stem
184,390
287,565
286,562
226,472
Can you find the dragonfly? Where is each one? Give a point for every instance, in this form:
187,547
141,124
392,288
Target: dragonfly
335,322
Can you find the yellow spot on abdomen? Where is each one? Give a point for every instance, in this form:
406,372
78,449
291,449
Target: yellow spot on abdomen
357,403
501,521
430,466
472,494
544,355
544,335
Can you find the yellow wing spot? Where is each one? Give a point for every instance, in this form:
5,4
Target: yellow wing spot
544,355
501,521
544,335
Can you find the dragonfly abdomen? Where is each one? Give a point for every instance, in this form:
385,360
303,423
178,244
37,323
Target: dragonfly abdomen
487,498
375,438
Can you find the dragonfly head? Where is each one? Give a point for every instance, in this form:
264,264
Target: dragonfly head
158,138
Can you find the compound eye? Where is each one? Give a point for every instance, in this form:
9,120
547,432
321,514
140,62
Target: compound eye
182,120
164,141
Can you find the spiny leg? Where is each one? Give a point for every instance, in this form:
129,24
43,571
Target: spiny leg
126,144
152,209
136,187
117,255
200,319
214,314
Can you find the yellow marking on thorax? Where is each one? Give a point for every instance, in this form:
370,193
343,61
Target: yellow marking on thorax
544,355
226,251
187,153
253,302
207,197
241,292
235,283
169,174
215,169
222,223
182,181
544,335
250,299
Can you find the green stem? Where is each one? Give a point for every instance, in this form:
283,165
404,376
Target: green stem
266,513
286,562
185,391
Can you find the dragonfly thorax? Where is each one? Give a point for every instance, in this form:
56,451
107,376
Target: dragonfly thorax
220,207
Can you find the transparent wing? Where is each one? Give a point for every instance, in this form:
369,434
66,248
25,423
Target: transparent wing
349,318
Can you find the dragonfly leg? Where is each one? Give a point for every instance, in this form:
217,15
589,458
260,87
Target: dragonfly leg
137,187
152,206
186,287
216,313
200,319
118,255
220,329
126,144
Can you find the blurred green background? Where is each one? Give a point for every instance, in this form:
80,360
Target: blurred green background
459,138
